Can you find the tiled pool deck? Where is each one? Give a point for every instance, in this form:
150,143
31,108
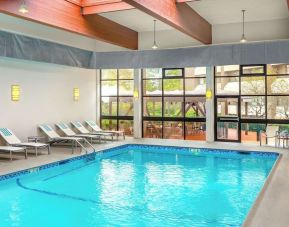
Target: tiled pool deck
271,208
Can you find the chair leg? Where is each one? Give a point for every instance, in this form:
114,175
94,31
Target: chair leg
48,148
10,155
72,146
25,150
36,151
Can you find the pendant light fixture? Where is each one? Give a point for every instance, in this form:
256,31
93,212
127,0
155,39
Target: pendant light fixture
23,7
243,38
155,46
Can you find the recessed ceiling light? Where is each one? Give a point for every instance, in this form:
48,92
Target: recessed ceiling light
23,8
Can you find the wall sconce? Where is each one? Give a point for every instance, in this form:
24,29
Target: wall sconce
135,94
15,93
76,94
209,94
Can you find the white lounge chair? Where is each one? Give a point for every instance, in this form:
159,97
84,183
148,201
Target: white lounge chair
64,128
82,130
11,149
12,140
271,135
53,137
96,128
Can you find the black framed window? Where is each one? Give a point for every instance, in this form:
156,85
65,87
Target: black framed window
116,104
261,93
173,103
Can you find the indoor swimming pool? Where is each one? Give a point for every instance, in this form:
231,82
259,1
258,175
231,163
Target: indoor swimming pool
137,185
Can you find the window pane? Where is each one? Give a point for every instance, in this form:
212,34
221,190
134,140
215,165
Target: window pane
152,87
152,106
126,87
227,107
173,130
109,88
278,107
277,69
126,126
126,73
125,106
196,86
152,129
107,74
173,106
227,86
195,72
109,106
107,124
227,130
152,73
250,131
284,127
195,131
253,85
278,85
253,107
173,72
195,107
253,69
228,70
173,87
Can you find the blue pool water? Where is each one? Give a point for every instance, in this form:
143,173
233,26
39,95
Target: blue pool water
138,186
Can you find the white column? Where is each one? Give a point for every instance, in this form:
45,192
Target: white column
210,126
137,117
97,74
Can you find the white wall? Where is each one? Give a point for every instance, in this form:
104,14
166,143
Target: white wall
32,29
222,33
46,95
166,39
254,31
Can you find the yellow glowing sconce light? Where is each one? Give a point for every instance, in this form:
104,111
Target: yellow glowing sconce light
135,94
76,94
15,93
209,94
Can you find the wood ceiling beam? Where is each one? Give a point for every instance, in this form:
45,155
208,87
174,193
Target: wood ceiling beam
76,2
67,16
182,1
86,3
180,16
105,6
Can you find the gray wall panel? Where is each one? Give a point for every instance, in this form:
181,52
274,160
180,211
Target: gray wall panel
22,47
122,59
174,57
27,48
227,54
277,52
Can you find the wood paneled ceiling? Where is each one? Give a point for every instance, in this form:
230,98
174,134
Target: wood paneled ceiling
82,17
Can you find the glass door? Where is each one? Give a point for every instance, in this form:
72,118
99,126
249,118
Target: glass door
227,119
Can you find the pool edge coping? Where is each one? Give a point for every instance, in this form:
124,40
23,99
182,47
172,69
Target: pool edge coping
249,218
38,168
258,201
